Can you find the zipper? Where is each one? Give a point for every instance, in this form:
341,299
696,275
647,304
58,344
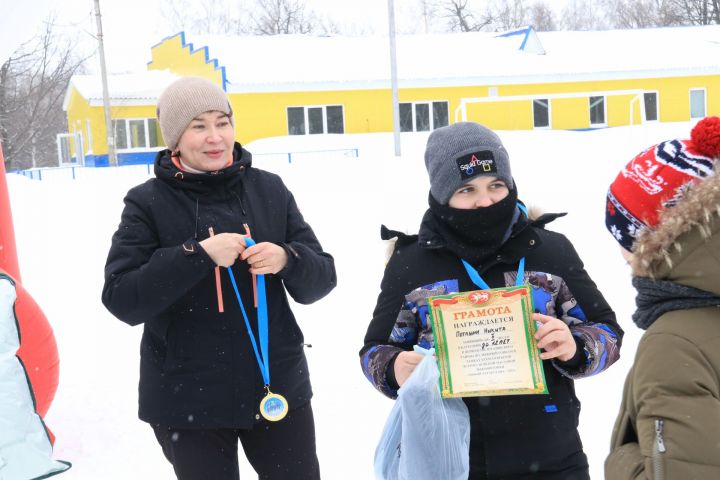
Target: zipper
658,450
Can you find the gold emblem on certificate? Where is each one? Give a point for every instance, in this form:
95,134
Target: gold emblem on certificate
273,407
485,343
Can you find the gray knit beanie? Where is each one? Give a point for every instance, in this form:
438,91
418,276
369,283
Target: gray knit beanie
185,99
460,152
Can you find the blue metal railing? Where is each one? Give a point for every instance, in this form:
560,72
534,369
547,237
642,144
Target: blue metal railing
346,152
74,171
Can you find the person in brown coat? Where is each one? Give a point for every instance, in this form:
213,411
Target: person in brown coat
664,207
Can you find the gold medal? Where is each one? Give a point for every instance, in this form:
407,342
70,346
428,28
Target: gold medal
273,407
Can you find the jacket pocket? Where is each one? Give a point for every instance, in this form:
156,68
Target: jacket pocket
658,459
541,430
154,346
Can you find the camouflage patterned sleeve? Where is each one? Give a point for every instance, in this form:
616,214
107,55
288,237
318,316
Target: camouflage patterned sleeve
376,359
375,362
601,347
400,321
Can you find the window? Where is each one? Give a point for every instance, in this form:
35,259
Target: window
597,110
651,106
335,123
541,113
296,121
440,114
422,117
120,134
697,103
315,120
155,133
134,133
137,133
406,117
415,117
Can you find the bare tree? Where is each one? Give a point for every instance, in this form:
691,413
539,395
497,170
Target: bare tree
509,14
495,15
206,17
642,13
427,12
33,83
220,17
174,13
699,12
583,15
241,17
542,17
461,18
274,17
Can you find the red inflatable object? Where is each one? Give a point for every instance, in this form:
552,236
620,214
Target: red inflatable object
8,252
38,349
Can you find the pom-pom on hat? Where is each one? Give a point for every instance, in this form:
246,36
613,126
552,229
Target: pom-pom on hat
185,99
658,178
457,153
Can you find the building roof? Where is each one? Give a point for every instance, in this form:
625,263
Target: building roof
142,88
301,62
315,63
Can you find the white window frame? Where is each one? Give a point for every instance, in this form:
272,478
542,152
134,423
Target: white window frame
549,108
429,103
306,117
657,106
605,117
128,137
88,125
704,91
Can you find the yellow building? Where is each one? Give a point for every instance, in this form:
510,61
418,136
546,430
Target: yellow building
306,85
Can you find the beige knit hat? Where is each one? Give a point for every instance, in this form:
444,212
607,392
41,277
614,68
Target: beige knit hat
185,99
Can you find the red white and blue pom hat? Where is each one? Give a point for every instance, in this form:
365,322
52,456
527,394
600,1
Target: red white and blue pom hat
657,178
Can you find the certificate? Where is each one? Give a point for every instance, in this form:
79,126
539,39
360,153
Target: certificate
485,343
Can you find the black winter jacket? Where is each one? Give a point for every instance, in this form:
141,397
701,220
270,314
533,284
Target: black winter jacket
521,436
197,365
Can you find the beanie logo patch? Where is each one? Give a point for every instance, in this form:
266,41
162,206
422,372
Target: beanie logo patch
477,163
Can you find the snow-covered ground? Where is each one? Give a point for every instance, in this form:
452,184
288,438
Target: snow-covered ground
63,229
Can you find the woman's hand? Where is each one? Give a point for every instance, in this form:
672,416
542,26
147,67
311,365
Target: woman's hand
554,336
404,365
224,248
265,258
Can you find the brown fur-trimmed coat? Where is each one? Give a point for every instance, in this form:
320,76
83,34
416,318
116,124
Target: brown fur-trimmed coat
669,421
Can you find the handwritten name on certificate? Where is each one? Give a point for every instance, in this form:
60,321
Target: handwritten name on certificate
485,343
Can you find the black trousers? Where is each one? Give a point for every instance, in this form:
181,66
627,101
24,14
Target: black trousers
283,450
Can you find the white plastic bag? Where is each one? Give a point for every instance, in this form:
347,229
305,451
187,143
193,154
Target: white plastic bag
425,437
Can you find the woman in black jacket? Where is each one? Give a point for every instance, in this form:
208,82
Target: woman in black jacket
475,216
203,375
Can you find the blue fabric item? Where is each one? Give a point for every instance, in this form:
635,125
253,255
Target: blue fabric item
263,355
551,408
482,284
426,437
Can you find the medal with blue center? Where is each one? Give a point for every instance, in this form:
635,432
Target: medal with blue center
273,406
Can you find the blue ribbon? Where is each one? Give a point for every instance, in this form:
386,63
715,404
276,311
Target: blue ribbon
262,355
482,284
